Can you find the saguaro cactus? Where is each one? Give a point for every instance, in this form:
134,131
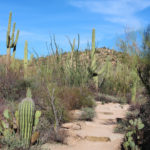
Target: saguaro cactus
10,42
93,68
26,120
25,59
93,59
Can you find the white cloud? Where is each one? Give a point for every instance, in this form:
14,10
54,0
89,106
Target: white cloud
116,11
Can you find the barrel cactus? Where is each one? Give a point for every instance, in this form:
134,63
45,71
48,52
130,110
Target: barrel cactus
26,120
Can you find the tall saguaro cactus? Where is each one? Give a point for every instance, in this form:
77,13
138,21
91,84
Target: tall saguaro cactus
10,42
26,120
25,59
93,68
93,59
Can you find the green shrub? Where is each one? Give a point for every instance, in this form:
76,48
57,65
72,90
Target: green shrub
104,98
120,81
12,141
88,114
144,74
13,86
76,97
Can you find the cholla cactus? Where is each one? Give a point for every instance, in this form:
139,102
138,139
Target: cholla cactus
26,120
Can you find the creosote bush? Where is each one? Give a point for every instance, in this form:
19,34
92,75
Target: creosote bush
76,97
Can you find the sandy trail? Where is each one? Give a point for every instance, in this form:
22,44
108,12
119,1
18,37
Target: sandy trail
96,135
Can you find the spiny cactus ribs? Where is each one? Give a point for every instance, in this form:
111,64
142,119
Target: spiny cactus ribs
26,120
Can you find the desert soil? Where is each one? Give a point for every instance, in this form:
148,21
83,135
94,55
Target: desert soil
94,135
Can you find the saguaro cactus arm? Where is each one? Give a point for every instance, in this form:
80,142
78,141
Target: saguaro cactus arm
8,30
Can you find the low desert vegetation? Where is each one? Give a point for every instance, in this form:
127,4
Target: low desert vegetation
87,114
48,88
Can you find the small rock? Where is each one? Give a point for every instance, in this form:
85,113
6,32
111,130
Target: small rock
76,114
74,126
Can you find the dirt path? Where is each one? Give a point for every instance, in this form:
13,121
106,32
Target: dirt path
95,135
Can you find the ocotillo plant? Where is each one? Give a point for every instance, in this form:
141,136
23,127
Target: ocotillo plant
25,59
10,42
26,120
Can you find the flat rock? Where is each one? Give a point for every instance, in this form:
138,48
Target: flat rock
73,126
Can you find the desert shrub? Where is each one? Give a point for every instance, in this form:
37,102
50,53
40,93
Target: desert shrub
11,142
141,137
47,132
137,131
13,86
7,85
119,81
144,64
105,98
45,128
144,74
65,70
75,71
124,79
76,97
43,95
88,114
2,68
62,113
122,124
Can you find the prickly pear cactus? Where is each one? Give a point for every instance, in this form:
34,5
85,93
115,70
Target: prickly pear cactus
26,120
133,135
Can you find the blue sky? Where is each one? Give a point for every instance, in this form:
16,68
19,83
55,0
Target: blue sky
37,20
